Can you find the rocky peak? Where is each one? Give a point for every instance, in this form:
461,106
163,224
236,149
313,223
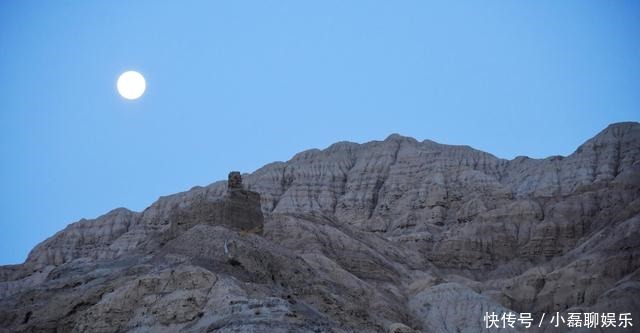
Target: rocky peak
395,137
384,236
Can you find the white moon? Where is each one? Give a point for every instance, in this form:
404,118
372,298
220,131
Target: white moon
131,85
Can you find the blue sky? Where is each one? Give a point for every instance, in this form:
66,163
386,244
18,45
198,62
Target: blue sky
235,85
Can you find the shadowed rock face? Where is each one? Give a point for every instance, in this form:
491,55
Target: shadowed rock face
238,210
387,236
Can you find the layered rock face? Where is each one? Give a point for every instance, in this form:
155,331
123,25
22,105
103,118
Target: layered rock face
387,236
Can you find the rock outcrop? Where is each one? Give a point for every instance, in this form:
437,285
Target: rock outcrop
387,236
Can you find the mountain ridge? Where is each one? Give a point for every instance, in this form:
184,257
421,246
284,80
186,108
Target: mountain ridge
351,143
399,226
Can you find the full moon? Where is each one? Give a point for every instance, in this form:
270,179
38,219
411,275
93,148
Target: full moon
131,85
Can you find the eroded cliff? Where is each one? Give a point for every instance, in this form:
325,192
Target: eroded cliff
394,235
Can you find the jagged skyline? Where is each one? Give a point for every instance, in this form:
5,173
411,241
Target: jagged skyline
392,236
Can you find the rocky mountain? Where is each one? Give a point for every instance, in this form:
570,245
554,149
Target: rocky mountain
387,236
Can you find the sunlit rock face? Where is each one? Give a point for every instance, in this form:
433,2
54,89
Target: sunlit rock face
387,236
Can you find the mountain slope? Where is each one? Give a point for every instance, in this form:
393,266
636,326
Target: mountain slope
383,236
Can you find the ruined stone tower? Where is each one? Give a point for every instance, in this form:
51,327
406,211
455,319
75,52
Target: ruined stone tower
235,181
